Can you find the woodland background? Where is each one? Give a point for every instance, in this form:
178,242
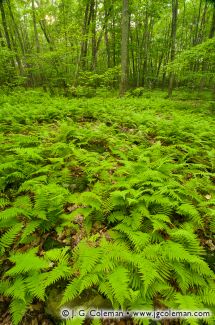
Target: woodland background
106,200
69,44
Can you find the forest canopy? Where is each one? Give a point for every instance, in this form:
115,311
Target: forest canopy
107,162
59,44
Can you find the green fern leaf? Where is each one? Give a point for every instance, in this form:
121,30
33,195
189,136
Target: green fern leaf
87,257
119,280
27,262
71,291
18,309
29,229
35,284
188,210
88,281
17,290
61,271
9,237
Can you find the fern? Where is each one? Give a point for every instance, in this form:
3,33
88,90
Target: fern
18,309
96,199
29,229
17,289
26,262
35,285
11,213
71,291
119,280
61,271
87,258
189,211
9,237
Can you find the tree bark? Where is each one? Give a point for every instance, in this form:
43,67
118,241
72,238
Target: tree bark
84,44
173,43
124,47
212,30
16,27
4,23
47,37
94,42
37,43
6,32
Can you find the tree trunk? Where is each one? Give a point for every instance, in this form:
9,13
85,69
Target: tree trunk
146,37
47,37
4,23
106,35
196,34
84,44
94,42
212,30
1,39
124,47
16,27
6,32
37,43
173,43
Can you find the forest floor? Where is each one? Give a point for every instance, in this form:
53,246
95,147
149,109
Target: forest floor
74,169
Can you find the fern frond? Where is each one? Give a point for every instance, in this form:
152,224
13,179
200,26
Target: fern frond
17,290
29,229
12,213
35,284
137,238
9,237
188,240
26,262
18,309
61,271
87,257
187,302
57,254
119,280
4,286
188,210
148,272
106,289
71,291
4,202
88,281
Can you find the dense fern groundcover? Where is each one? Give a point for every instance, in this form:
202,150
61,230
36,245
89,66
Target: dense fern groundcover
108,198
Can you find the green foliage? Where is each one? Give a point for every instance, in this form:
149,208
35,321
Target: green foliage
201,54
113,197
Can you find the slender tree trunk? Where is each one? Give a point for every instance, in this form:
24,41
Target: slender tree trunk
124,47
202,26
106,35
173,43
138,54
212,30
196,34
45,32
107,44
16,27
37,43
134,77
6,31
5,26
2,40
97,41
84,44
17,56
94,47
146,37
113,41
